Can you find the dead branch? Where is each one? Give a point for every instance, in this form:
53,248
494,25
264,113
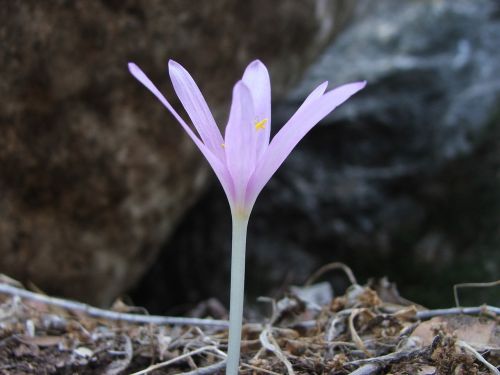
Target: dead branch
426,314
108,314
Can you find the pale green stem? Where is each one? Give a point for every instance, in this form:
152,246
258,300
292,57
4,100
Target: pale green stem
240,223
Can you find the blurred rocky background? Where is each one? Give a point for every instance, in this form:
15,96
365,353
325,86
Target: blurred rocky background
94,174
99,187
403,180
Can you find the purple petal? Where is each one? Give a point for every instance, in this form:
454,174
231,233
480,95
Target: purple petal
240,139
196,107
256,78
292,132
219,168
311,98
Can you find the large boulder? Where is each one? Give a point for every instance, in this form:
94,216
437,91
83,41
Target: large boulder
402,180
95,174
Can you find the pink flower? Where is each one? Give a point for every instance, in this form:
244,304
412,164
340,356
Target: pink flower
245,159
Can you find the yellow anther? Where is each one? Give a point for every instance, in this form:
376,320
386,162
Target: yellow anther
223,145
261,124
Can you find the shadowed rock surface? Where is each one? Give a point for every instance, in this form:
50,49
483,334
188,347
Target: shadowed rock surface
402,180
94,173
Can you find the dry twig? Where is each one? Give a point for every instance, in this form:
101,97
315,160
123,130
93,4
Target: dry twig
117,367
472,285
176,359
478,356
389,358
268,342
426,314
111,315
354,334
330,267
368,369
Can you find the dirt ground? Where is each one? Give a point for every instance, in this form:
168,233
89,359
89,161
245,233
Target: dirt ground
368,330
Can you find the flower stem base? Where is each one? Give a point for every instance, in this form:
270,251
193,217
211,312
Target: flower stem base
240,224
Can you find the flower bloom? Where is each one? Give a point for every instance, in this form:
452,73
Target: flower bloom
245,158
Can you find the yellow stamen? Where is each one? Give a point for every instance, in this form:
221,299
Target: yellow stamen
223,145
261,124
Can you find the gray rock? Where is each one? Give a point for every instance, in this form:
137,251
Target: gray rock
402,180
413,163
95,174
432,68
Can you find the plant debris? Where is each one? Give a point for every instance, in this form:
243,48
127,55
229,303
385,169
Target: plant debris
368,330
